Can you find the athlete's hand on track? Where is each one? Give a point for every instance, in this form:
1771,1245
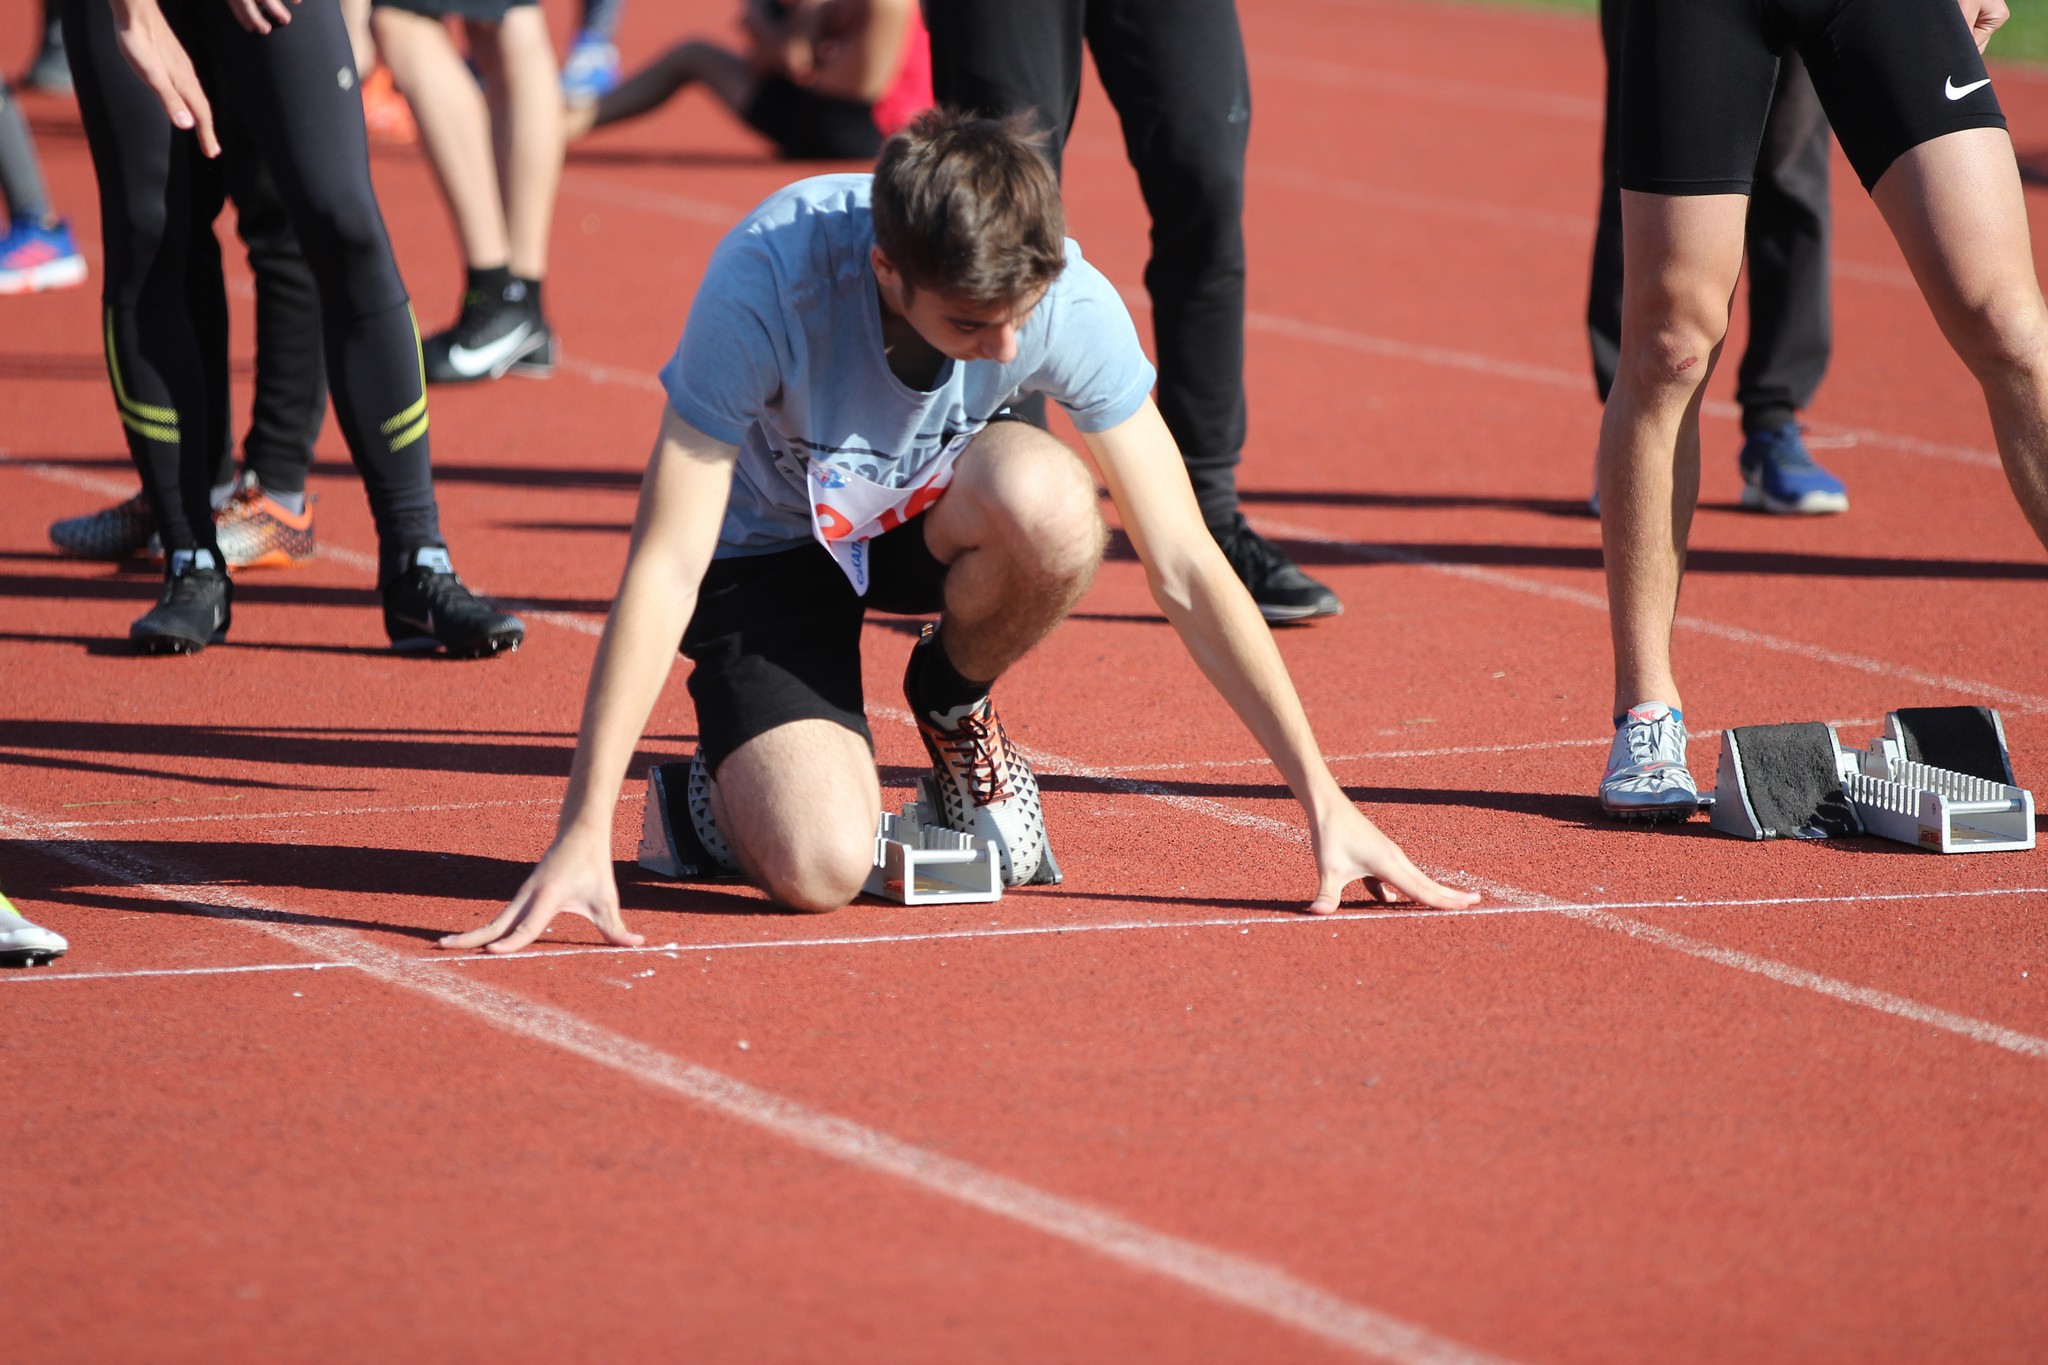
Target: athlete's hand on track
160,59
258,15
1986,17
575,876
1350,847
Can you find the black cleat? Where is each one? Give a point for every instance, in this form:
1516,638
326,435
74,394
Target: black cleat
493,337
1283,592
427,608
194,610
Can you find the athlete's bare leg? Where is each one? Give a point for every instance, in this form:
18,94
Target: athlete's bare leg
1020,530
1684,254
455,125
1956,208
799,804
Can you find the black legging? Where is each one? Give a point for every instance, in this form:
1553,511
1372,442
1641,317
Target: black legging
1175,70
286,101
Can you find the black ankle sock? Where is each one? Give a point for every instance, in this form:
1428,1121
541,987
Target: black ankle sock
493,283
936,687
530,290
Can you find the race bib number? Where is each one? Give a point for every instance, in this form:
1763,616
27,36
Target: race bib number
848,511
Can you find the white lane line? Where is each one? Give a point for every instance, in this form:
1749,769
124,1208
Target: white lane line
1273,920
332,813
1597,601
1410,87
1238,1280
1551,376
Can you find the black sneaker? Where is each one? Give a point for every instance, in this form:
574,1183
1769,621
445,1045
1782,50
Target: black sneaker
194,610
426,608
493,337
1283,592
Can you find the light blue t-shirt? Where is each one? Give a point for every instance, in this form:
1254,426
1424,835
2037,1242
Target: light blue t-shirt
782,356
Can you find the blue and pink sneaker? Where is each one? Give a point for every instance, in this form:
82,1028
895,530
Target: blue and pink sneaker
34,258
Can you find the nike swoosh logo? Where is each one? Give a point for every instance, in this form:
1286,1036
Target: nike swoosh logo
486,357
1956,92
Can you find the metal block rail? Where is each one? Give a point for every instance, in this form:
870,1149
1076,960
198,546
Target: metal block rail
921,863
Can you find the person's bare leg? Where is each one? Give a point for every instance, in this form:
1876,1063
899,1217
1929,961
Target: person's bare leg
533,137
725,73
799,805
1020,530
1684,254
1956,208
454,125
361,46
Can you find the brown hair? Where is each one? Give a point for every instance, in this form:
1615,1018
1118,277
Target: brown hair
969,208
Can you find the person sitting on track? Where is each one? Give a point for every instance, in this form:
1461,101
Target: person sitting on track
285,81
825,80
834,443
1904,84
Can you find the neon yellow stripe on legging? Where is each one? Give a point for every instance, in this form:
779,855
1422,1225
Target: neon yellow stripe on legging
410,434
163,418
406,418
149,430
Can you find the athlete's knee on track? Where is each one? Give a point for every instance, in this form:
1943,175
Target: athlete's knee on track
818,869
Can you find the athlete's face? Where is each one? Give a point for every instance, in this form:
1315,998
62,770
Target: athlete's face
955,327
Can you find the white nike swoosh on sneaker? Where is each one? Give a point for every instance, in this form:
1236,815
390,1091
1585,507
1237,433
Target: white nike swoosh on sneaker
1956,92
486,358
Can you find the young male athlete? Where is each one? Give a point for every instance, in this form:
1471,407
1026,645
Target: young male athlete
1904,85
834,443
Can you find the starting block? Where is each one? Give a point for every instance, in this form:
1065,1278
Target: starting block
918,861
1938,778
921,862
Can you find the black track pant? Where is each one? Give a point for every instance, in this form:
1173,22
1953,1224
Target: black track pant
1175,70
287,104
1790,331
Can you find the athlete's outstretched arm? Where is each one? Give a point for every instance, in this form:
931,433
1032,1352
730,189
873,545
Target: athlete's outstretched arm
682,503
1222,628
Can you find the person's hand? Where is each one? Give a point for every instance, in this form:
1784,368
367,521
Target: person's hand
258,15
1986,17
161,61
575,876
1350,848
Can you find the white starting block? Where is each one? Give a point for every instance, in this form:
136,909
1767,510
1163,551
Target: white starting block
919,862
1938,778
1937,808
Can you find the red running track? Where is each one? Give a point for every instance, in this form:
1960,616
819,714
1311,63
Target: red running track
1662,1096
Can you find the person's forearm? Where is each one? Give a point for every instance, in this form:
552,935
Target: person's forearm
633,661
1231,644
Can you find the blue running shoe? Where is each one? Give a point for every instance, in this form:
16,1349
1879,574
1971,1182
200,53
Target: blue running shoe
592,69
34,258
1779,475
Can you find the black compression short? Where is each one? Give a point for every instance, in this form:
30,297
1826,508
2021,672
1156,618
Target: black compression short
807,126
776,637
1696,80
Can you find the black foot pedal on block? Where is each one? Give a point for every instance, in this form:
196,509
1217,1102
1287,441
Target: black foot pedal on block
1962,739
1782,782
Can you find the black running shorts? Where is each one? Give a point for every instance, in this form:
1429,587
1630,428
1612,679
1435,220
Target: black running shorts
776,637
807,126
1696,80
